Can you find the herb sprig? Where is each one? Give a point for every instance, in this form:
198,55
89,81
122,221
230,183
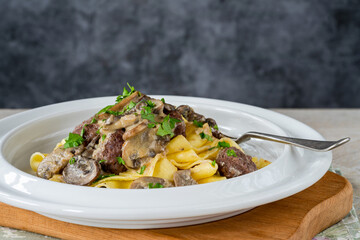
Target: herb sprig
120,160
231,153
126,93
156,185
73,140
166,126
205,136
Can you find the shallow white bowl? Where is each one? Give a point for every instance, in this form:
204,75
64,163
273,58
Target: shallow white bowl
293,169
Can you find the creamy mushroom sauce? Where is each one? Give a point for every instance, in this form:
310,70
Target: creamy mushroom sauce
129,134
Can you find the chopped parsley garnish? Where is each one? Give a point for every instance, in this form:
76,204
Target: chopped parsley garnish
130,106
149,116
83,130
126,93
102,160
163,100
115,113
72,160
216,127
142,169
151,125
104,176
73,140
105,109
166,126
211,148
223,144
231,153
150,103
207,137
93,120
213,163
98,131
103,137
198,124
156,185
120,160
146,111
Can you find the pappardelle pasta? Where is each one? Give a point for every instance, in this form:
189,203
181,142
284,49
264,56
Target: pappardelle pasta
142,143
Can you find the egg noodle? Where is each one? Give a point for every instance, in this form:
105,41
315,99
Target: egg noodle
191,152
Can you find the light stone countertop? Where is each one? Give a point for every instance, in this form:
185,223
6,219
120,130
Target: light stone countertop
333,124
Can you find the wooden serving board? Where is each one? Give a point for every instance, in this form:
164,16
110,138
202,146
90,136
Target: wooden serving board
300,216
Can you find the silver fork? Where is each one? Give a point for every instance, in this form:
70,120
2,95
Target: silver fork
315,145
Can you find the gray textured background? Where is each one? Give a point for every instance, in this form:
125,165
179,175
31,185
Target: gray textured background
270,53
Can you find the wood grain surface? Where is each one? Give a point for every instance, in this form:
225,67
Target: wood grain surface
300,216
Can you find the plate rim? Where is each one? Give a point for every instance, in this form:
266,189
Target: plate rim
24,205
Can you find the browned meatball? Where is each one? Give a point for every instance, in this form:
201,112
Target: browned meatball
90,130
109,150
233,163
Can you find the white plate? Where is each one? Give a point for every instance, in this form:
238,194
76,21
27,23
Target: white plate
293,169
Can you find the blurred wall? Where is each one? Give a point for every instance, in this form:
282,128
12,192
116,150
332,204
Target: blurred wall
270,53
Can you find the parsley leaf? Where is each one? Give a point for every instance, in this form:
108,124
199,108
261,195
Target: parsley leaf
166,126
103,137
150,104
98,131
163,100
93,120
146,114
207,137
102,160
151,125
73,140
83,130
120,160
173,121
156,185
72,160
231,152
213,163
126,93
142,169
130,105
216,127
105,109
197,123
103,176
115,113
223,144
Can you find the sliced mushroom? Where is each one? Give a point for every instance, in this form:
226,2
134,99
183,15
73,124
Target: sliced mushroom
215,132
135,129
168,108
150,182
54,163
186,111
82,172
183,178
90,148
142,146
189,114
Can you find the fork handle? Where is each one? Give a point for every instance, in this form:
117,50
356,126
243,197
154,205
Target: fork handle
315,145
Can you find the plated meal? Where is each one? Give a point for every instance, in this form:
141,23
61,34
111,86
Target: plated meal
142,143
